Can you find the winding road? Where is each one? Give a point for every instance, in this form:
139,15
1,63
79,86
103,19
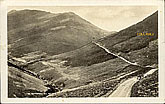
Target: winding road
115,54
124,89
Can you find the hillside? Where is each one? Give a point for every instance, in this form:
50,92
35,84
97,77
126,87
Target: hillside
91,63
126,43
33,30
20,83
140,49
98,67
147,87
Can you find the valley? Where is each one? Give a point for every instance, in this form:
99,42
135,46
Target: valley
63,55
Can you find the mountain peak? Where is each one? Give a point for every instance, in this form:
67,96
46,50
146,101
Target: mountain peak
53,33
70,13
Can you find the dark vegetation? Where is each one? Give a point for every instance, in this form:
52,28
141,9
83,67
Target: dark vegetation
145,56
140,49
92,55
147,87
94,90
22,69
101,88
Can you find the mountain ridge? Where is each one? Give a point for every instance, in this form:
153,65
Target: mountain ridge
67,31
100,67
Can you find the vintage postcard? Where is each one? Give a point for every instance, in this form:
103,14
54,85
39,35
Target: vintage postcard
82,51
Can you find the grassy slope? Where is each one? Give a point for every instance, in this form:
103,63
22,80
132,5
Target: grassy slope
21,83
100,88
126,43
32,30
90,62
136,48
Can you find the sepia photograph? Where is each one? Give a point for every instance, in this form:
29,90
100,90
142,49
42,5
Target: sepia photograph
73,52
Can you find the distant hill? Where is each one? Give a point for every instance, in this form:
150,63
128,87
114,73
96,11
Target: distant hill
34,30
90,62
125,43
140,49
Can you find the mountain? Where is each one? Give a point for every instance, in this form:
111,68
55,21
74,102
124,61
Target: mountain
140,49
126,43
34,30
98,67
93,63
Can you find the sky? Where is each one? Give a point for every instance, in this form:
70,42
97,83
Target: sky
110,18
